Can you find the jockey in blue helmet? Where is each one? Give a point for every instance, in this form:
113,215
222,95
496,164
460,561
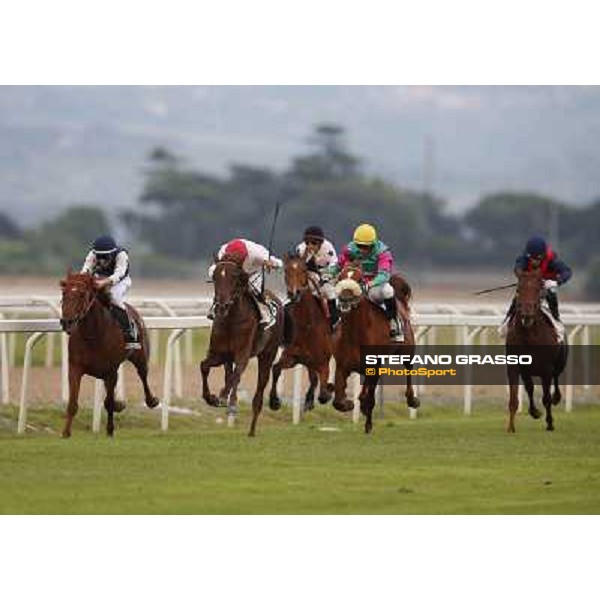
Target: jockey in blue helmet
539,255
109,263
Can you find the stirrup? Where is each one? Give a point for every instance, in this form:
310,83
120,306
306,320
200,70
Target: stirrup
396,332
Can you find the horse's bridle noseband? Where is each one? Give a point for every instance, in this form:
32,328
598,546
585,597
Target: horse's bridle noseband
64,323
225,307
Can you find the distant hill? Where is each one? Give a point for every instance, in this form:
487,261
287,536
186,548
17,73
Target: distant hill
66,145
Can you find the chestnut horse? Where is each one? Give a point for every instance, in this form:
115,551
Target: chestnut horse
236,336
97,345
531,332
365,324
311,342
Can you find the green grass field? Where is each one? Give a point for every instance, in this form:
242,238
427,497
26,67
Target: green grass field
440,463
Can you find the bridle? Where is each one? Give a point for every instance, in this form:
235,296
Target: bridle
65,323
529,319
310,284
222,308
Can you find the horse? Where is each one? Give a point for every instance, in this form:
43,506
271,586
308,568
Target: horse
311,340
531,332
237,336
97,345
365,324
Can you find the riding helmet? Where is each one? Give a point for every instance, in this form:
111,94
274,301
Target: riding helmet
536,246
237,248
314,232
365,235
104,245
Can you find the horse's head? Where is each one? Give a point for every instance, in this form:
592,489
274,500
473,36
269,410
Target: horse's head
78,295
349,287
230,280
296,275
530,288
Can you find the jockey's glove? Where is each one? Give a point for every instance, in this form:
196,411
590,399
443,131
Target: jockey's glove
550,285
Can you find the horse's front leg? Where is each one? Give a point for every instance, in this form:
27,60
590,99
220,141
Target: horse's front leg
109,403
75,375
556,397
367,406
231,383
513,402
529,387
547,400
313,378
287,361
340,401
325,389
212,360
411,400
265,360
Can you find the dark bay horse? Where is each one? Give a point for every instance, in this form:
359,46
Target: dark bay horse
365,324
531,332
237,336
311,342
97,345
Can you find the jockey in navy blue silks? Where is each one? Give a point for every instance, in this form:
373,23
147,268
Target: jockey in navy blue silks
109,263
539,255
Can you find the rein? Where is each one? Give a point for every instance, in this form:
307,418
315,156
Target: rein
80,317
238,291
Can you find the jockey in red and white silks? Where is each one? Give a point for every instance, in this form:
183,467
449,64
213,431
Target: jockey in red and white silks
254,257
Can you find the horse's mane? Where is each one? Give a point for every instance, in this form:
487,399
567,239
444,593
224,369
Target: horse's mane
77,278
402,288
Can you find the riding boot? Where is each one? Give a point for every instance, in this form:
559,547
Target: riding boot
334,315
122,318
287,325
391,312
553,304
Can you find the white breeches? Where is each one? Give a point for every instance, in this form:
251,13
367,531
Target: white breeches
119,291
327,288
380,293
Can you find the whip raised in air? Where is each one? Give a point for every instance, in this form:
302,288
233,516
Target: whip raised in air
275,215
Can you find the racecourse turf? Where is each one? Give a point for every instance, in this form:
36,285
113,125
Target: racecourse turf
440,463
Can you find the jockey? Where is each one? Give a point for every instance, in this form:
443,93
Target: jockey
320,257
253,258
376,263
109,263
539,255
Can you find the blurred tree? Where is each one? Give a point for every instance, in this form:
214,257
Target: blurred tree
8,228
65,240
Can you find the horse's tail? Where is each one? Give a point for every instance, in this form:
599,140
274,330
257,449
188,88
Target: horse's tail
402,289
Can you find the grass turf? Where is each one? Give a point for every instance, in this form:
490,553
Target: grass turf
441,463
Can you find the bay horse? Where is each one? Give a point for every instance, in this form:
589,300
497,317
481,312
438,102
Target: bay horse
311,340
365,324
531,332
237,336
97,345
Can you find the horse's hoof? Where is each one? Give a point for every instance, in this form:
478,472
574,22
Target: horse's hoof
324,399
510,429
535,413
212,400
413,402
550,427
343,405
556,398
368,427
152,402
274,403
65,435
119,406
309,404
